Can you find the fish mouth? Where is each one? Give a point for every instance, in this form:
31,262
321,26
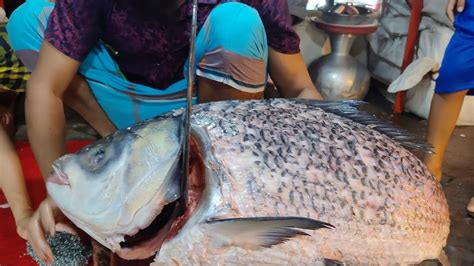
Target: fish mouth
148,241
155,228
58,177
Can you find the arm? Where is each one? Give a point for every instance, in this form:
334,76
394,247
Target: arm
452,4
72,30
13,184
45,120
285,64
44,105
291,76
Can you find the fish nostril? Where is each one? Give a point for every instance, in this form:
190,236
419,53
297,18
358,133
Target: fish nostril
64,176
58,177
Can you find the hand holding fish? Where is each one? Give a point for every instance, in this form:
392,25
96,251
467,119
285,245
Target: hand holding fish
45,221
454,6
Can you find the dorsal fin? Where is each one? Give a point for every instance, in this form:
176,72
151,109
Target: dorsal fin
350,109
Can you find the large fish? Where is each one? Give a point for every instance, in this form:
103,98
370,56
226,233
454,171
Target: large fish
272,182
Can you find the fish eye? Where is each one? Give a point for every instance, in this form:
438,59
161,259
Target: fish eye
97,158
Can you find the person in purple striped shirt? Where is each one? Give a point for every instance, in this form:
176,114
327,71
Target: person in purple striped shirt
117,62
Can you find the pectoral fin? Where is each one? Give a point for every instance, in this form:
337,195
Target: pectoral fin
261,231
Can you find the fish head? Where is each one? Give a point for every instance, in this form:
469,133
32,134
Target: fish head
118,186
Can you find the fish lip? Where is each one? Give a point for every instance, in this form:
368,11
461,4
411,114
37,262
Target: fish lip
58,177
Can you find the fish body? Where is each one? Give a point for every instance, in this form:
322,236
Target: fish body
272,172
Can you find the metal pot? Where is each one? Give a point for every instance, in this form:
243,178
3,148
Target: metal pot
339,75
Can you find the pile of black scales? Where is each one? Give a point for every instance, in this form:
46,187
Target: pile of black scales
67,250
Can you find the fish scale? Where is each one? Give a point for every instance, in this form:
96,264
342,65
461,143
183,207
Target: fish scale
391,223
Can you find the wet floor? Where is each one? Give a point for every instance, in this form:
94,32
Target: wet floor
458,179
458,183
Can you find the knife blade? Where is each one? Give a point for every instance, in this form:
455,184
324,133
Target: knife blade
188,111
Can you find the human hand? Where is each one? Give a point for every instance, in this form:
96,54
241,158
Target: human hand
452,4
45,221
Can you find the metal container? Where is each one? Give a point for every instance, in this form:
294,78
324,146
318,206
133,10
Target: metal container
339,75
